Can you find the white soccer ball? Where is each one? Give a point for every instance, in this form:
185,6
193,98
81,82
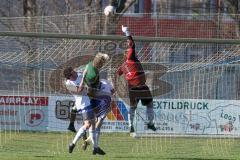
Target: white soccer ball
109,10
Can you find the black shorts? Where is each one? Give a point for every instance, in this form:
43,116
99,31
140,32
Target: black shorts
140,93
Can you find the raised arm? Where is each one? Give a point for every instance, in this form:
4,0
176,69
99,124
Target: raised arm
80,87
131,45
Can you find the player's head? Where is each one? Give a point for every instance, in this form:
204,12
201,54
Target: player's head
100,59
69,73
129,42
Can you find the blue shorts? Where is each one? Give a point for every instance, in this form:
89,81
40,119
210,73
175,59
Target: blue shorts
102,105
88,113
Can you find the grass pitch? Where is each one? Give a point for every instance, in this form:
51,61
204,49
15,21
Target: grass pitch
54,146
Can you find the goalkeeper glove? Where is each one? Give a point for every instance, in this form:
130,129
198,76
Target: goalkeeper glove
125,30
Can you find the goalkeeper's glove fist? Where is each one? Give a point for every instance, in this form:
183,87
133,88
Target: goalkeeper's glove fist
125,30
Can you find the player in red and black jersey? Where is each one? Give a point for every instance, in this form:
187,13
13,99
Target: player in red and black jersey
135,76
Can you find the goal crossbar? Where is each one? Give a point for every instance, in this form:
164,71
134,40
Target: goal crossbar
119,38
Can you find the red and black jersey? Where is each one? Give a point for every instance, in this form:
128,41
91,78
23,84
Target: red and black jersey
132,68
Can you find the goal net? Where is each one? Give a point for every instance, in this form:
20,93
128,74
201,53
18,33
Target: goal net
194,83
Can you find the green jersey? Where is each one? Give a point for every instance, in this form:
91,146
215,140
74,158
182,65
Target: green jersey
92,75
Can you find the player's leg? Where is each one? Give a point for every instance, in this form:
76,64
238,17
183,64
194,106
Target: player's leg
132,109
98,128
150,116
102,113
97,149
147,101
131,115
92,134
86,141
73,114
104,109
88,117
79,134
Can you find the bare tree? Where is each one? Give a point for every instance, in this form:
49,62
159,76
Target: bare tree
233,8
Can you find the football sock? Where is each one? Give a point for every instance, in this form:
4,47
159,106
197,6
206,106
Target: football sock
79,134
131,115
92,134
150,114
97,135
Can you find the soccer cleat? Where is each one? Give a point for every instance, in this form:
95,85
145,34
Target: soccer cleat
99,151
84,145
84,136
151,126
131,130
71,147
71,128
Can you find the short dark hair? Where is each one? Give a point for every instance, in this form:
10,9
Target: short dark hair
67,72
